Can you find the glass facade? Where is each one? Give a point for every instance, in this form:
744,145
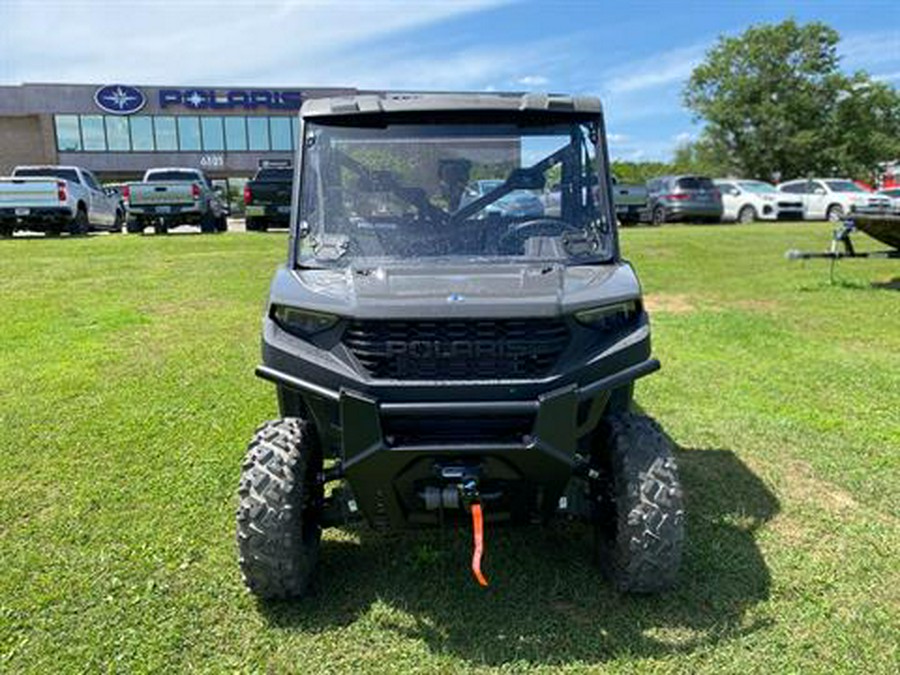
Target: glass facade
168,133
236,133
258,133
165,134
189,134
93,134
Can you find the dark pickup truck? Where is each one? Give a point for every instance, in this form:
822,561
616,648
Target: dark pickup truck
267,199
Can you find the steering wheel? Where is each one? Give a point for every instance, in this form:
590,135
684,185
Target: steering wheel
514,238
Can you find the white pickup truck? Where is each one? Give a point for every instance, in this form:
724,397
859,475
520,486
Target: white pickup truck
174,196
52,199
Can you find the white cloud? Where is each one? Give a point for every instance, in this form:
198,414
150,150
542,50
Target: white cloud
656,71
863,50
683,138
237,42
617,138
533,80
887,77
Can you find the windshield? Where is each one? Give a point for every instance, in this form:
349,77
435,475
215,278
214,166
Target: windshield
757,186
451,192
843,186
47,172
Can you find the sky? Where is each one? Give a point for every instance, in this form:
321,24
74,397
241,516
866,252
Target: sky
635,55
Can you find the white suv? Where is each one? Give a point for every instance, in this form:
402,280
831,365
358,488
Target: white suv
832,198
747,200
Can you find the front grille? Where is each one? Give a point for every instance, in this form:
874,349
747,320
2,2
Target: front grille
436,430
457,350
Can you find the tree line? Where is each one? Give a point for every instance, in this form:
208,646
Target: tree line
776,106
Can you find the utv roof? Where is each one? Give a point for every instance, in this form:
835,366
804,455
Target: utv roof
389,103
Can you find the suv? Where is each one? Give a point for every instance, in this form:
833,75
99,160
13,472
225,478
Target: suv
436,359
745,201
832,198
683,198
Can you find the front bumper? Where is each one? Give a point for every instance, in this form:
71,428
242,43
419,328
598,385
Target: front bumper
387,473
526,437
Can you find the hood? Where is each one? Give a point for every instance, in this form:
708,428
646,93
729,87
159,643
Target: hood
456,291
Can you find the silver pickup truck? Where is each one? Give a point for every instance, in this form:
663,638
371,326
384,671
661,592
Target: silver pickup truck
53,199
169,197
630,200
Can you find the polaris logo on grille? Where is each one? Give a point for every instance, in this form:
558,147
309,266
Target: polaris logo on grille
441,349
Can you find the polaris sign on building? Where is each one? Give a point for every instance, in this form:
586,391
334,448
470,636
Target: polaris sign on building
244,99
120,129
119,99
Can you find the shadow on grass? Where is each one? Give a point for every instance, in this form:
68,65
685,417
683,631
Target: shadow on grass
892,285
547,603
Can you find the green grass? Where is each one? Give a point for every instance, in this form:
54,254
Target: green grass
127,394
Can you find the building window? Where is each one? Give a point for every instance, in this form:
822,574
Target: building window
258,131
281,132
235,133
188,134
212,133
141,133
117,138
164,131
93,136
295,125
68,135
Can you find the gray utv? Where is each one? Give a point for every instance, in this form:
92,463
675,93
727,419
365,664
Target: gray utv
442,344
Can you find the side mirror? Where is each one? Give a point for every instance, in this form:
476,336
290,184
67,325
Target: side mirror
819,191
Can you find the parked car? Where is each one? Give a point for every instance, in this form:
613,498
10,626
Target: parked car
630,200
51,199
686,197
516,204
174,196
832,198
267,199
894,195
745,201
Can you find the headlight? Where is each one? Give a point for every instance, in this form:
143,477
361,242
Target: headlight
301,322
609,317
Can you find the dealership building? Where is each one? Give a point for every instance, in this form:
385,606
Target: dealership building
120,130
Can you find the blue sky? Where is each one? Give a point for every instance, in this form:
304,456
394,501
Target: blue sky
635,55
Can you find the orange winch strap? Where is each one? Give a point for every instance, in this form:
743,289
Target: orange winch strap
478,533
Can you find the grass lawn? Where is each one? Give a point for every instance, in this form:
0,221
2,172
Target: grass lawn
127,395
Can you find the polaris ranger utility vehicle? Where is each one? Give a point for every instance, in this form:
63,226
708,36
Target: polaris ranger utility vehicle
435,356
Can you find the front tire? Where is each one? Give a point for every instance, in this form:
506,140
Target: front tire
659,216
835,213
640,514
747,215
278,529
134,226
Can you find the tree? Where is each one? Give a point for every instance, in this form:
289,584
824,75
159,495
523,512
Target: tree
702,156
777,105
